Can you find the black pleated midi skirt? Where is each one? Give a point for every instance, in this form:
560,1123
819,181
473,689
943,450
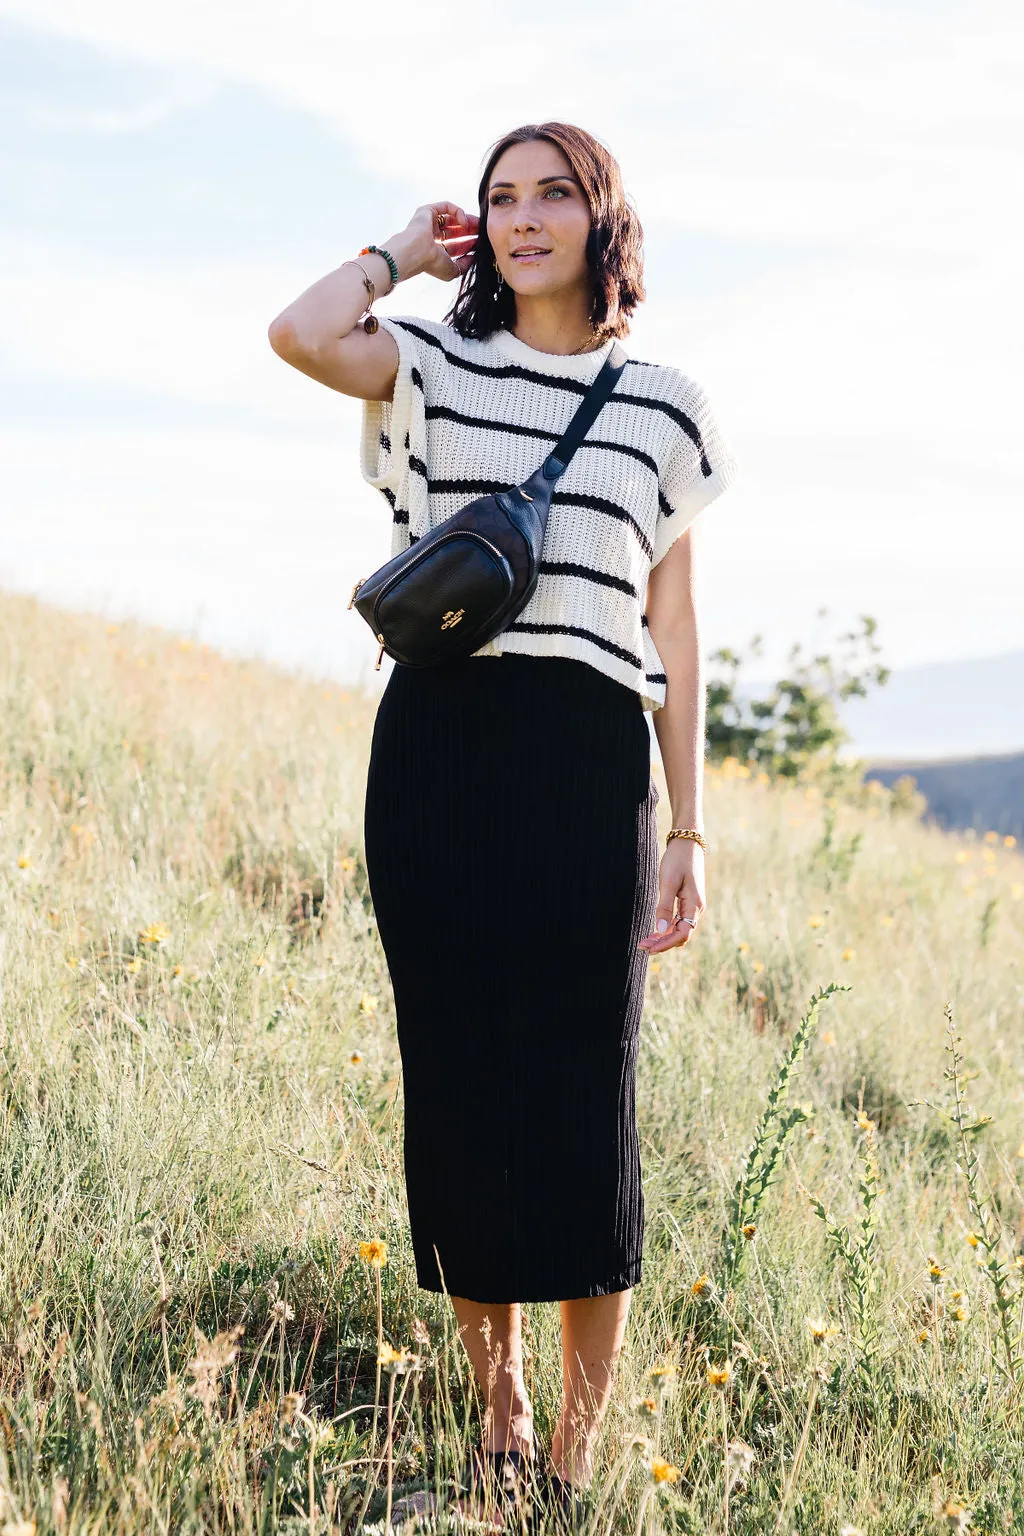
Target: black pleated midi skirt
512,855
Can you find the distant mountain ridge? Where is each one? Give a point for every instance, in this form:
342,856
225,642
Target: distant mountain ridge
957,727
986,793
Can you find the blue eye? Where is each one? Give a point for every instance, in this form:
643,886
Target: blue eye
498,196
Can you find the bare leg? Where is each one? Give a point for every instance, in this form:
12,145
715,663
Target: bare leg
492,1335
592,1332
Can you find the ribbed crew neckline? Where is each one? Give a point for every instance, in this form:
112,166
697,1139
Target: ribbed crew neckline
579,365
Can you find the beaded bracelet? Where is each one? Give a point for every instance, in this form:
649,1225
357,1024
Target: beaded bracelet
380,251
689,832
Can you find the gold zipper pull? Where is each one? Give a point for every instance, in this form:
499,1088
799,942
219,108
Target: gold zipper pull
380,654
355,589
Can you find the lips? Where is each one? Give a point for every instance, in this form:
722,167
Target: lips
529,255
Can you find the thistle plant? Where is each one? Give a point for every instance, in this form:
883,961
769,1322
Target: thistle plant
757,1170
856,1249
835,855
987,1238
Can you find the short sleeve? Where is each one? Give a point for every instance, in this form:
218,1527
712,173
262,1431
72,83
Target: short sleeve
393,446
699,466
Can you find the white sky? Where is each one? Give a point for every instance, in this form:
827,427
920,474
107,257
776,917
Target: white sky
829,194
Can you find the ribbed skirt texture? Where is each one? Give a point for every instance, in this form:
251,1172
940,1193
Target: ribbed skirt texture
512,853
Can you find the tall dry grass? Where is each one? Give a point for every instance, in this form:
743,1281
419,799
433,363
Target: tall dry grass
200,1125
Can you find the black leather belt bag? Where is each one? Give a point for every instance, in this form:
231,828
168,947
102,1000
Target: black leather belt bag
464,581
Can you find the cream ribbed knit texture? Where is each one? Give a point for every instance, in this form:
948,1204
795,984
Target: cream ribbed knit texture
470,417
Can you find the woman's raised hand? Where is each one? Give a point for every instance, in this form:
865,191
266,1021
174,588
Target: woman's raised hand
447,246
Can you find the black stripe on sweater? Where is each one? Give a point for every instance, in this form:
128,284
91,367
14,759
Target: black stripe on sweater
587,572
584,634
570,386
473,488
399,514
681,419
486,424
610,509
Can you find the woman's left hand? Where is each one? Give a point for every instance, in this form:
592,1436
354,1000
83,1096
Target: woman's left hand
681,879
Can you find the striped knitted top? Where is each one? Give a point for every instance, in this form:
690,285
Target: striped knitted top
470,417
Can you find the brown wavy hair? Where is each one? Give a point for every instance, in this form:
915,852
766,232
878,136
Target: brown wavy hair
613,250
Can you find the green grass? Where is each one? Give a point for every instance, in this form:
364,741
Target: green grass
198,1129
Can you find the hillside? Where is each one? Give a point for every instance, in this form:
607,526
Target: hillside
978,792
201,1122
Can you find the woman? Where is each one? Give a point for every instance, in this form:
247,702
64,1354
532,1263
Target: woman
510,827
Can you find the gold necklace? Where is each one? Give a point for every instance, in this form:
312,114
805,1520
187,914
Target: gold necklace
585,347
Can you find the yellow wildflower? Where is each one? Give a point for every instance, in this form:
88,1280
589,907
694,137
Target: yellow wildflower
156,933
863,1122
719,1375
368,1003
955,1516
820,1330
664,1371
133,967
24,862
815,921
663,1471
744,947
749,1231
1009,841
935,1271
886,920
849,954
758,967
374,1252
700,1285
973,1239
397,1360
355,1058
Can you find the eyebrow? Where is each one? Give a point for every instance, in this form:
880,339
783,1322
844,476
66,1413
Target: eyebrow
540,183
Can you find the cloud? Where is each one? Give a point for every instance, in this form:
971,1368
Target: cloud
191,333
835,124
183,92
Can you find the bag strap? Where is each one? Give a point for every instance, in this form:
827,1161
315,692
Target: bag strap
587,413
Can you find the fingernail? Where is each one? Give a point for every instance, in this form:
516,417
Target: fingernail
662,924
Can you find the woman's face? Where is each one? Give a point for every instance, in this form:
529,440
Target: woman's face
534,199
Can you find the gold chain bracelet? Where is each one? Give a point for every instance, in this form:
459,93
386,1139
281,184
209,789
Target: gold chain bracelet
690,832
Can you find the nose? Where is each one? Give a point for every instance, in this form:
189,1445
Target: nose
524,219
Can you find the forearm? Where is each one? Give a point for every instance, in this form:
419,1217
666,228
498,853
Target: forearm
681,722
330,307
